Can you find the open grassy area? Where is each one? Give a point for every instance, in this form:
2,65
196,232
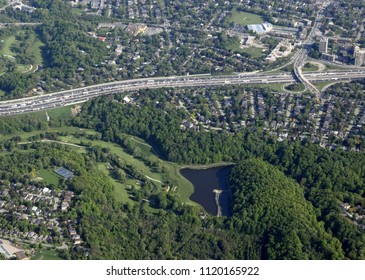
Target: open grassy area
277,87
23,68
253,52
34,51
185,188
48,176
6,47
26,135
333,66
321,85
310,67
60,113
46,254
56,113
172,174
243,18
77,11
120,190
297,87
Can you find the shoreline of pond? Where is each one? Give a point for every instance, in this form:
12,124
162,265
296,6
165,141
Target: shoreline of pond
207,182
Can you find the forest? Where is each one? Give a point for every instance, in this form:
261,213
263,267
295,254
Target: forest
287,195
326,178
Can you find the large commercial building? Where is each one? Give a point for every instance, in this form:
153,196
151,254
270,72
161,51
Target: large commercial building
260,28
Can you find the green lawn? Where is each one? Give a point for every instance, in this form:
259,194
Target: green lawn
243,18
7,44
26,135
120,190
60,113
57,113
46,254
277,87
321,85
35,50
310,67
297,87
185,188
332,67
253,52
49,176
77,11
23,68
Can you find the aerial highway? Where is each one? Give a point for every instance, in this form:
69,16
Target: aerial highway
303,53
79,95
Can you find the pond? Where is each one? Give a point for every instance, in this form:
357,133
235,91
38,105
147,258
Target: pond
210,185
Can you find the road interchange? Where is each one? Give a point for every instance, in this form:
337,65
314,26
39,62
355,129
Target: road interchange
79,95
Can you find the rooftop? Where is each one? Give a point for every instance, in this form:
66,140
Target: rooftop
64,173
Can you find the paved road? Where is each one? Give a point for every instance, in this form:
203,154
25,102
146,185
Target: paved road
79,95
303,53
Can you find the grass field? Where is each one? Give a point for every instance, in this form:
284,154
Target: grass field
46,254
8,54
253,52
57,113
48,176
298,87
277,87
310,67
7,44
120,190
185,188
243,18
332,67
60,113
321,85
77,11
34,50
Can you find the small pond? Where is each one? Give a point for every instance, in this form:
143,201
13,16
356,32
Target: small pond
205,181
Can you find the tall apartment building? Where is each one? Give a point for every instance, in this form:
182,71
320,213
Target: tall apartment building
323,45
359,55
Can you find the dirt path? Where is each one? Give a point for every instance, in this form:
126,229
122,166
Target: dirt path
144,144
54,141
155,180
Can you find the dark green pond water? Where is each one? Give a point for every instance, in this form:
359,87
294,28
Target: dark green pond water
205,181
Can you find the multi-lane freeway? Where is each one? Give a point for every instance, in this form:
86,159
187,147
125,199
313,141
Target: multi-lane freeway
79,95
